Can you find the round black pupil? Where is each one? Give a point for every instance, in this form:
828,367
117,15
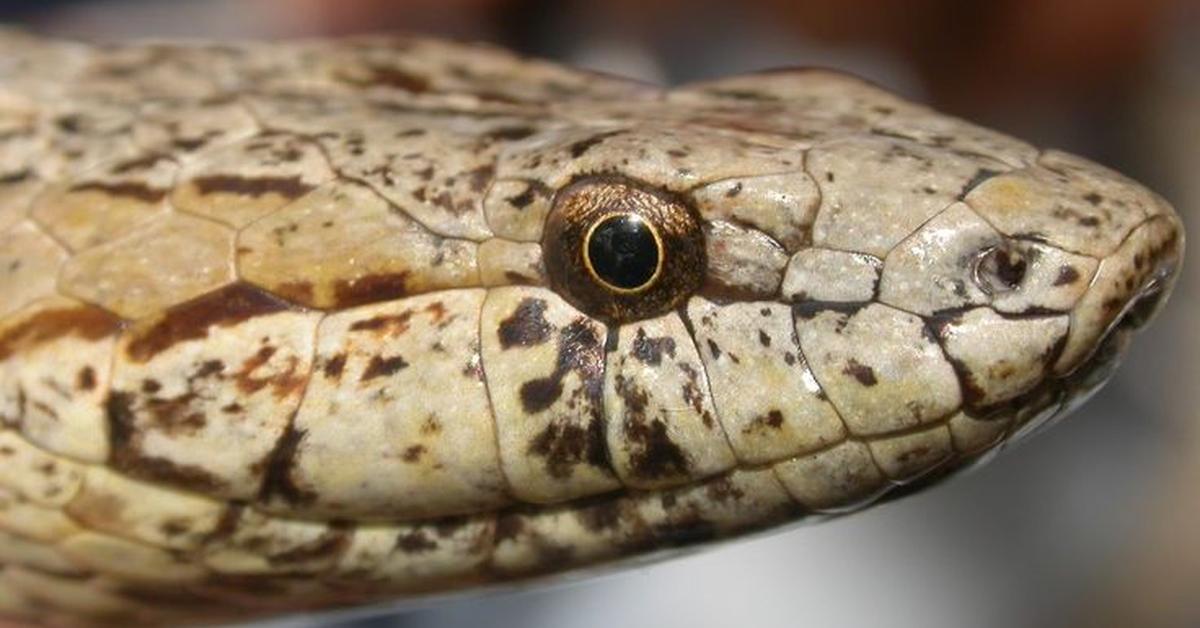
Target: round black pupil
623,252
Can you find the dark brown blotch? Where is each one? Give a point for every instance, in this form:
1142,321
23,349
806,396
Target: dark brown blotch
297,291
602,515
1067,275
511,133
380,366
192,320
333,367
981,175
415,542
254,187
541,393
370,289
387,76
126,189
773,419
391,324
413,453
480,177
138,164
86,322
327,546
277,471
649,350
563,445
85,380
580,147
533,190
127,457
653,455
861,372
526,326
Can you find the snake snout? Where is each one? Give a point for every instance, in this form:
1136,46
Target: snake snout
1149,278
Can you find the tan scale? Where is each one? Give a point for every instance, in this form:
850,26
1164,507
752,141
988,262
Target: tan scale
204,410
782,206
440,177
192,129
17,191
44,523
1073,208
103,553
416,557
66,595
434,69
663,428
117,505
876,191
972,434
82,132
14,605
23,145
739,501
144,272
742,342
24,552
879,368
906,457
257,543
805,105
929,127
744,262
544,364
504,262
238,183
343,245
836,479
278,331
56,376
534,541
1054,280
675,160
30,261
108,201
33,474
816,274
989,375
1127,272
929,273
399,389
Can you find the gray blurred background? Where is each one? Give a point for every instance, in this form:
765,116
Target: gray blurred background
1096,522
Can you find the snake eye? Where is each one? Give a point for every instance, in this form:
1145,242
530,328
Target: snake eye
620,251
1000,269
624,252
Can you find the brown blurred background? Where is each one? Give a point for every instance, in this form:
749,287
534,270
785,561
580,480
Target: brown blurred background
1097,522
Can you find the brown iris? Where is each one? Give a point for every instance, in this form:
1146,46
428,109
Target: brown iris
621,251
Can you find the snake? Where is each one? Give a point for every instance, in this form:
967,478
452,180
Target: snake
322,324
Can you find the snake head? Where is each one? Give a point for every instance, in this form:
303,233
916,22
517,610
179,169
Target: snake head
339,322
857,279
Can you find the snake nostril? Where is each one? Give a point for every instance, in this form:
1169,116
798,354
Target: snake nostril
1000,269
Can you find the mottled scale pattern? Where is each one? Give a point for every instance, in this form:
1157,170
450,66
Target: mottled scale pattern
276,332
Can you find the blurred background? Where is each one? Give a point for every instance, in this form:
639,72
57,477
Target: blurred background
1096,522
